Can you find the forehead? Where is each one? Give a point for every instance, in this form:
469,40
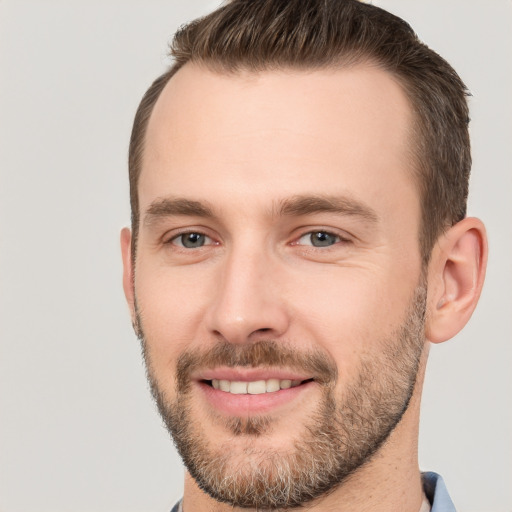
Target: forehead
277,132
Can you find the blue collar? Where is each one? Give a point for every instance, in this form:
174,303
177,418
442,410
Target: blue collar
436,492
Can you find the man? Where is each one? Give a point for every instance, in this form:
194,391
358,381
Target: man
298,187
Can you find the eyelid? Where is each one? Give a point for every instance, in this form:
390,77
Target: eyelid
303,240
170,236
207,241
342,236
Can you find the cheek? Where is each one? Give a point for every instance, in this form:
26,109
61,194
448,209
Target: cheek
350,313
171,305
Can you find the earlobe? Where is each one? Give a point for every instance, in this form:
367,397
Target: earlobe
126,251
456,276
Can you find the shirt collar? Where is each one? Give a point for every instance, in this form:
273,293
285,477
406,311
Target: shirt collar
436,492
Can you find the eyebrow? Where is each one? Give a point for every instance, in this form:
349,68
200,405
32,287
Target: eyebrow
168,207
294,206
310,204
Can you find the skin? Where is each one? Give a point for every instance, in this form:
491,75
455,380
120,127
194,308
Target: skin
243,145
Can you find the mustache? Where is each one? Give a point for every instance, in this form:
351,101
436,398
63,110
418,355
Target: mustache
262,354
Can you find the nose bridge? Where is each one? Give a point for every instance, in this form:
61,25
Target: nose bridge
247,301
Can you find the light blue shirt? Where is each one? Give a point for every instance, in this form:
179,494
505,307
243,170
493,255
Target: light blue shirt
436,492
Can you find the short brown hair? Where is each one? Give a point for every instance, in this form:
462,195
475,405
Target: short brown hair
259,35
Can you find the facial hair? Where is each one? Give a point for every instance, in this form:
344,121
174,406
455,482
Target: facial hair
338,437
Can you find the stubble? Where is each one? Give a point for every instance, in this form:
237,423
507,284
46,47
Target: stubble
337,438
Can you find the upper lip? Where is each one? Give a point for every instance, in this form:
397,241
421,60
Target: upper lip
242,374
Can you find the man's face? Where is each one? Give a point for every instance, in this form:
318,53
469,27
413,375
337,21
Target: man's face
278,276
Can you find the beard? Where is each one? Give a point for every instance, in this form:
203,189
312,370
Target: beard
338,437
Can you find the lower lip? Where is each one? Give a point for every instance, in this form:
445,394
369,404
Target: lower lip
236,405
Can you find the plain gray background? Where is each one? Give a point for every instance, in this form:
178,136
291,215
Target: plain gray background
78,431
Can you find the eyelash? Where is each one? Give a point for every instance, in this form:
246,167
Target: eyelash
338,239
173,239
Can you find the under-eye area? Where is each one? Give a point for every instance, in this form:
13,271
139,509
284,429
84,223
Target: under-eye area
254,387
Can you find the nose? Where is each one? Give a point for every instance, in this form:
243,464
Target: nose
248,303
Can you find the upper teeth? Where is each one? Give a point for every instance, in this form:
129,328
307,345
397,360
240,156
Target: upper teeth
255,387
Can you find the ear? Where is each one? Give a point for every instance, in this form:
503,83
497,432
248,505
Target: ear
126,251
455,278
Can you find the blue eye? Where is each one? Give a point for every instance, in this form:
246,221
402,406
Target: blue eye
319,239
191,240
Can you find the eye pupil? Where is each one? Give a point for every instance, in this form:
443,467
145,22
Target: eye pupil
322,239
192,240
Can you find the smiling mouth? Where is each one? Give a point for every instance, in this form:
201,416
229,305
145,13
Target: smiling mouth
257,387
